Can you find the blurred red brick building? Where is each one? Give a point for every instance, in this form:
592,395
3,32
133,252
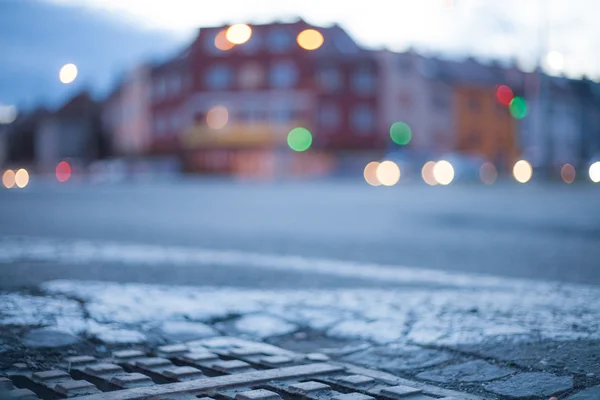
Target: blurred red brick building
264,88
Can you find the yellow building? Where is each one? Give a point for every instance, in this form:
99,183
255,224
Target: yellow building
484,127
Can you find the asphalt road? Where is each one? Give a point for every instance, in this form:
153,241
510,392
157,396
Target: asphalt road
543,232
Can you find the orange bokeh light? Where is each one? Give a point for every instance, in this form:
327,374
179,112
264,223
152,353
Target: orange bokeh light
63,171
217,117
370,173
8,178
488,173
427,173
221,41
567,173
310,39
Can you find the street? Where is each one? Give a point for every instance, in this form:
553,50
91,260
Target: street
539,232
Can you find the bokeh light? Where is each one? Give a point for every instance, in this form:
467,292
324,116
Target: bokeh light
443,172
310,39
400,133
595,172
488,173
427,173
221,41
388,173
504,95
522,171
518,108
8,114
567,173
370,173
22,178
68,73
555,60
238,33
217,117
299,139
8,178
63,171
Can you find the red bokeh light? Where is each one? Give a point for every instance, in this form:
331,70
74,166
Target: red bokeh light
63,171
504,95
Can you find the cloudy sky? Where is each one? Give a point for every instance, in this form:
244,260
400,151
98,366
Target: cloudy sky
505,29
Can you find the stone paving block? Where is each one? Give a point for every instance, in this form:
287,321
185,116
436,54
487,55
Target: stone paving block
394,359
399,391
5,384
470,371
73,388
531,384
307,387
356,380
132,380
183,373
259,394
592,393
49,338
21,394
353,396
317,357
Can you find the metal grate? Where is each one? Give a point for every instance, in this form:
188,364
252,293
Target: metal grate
221,368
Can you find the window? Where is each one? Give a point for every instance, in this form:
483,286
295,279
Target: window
283,115
283,74
160,88
174,123
174,84
279,40
363,80
160,125
362,118
253,44
219,77
329,78
251,76
329,116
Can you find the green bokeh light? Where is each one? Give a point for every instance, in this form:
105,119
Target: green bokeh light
400,133
299,139
518,108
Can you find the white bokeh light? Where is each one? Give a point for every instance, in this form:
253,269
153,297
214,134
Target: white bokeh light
555,60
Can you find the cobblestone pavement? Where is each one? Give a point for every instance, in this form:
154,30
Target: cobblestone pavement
436,338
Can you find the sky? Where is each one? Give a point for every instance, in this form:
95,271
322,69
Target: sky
127,31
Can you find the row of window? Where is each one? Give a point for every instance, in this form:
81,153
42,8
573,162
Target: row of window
361,118
285,74
165,123
167,86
